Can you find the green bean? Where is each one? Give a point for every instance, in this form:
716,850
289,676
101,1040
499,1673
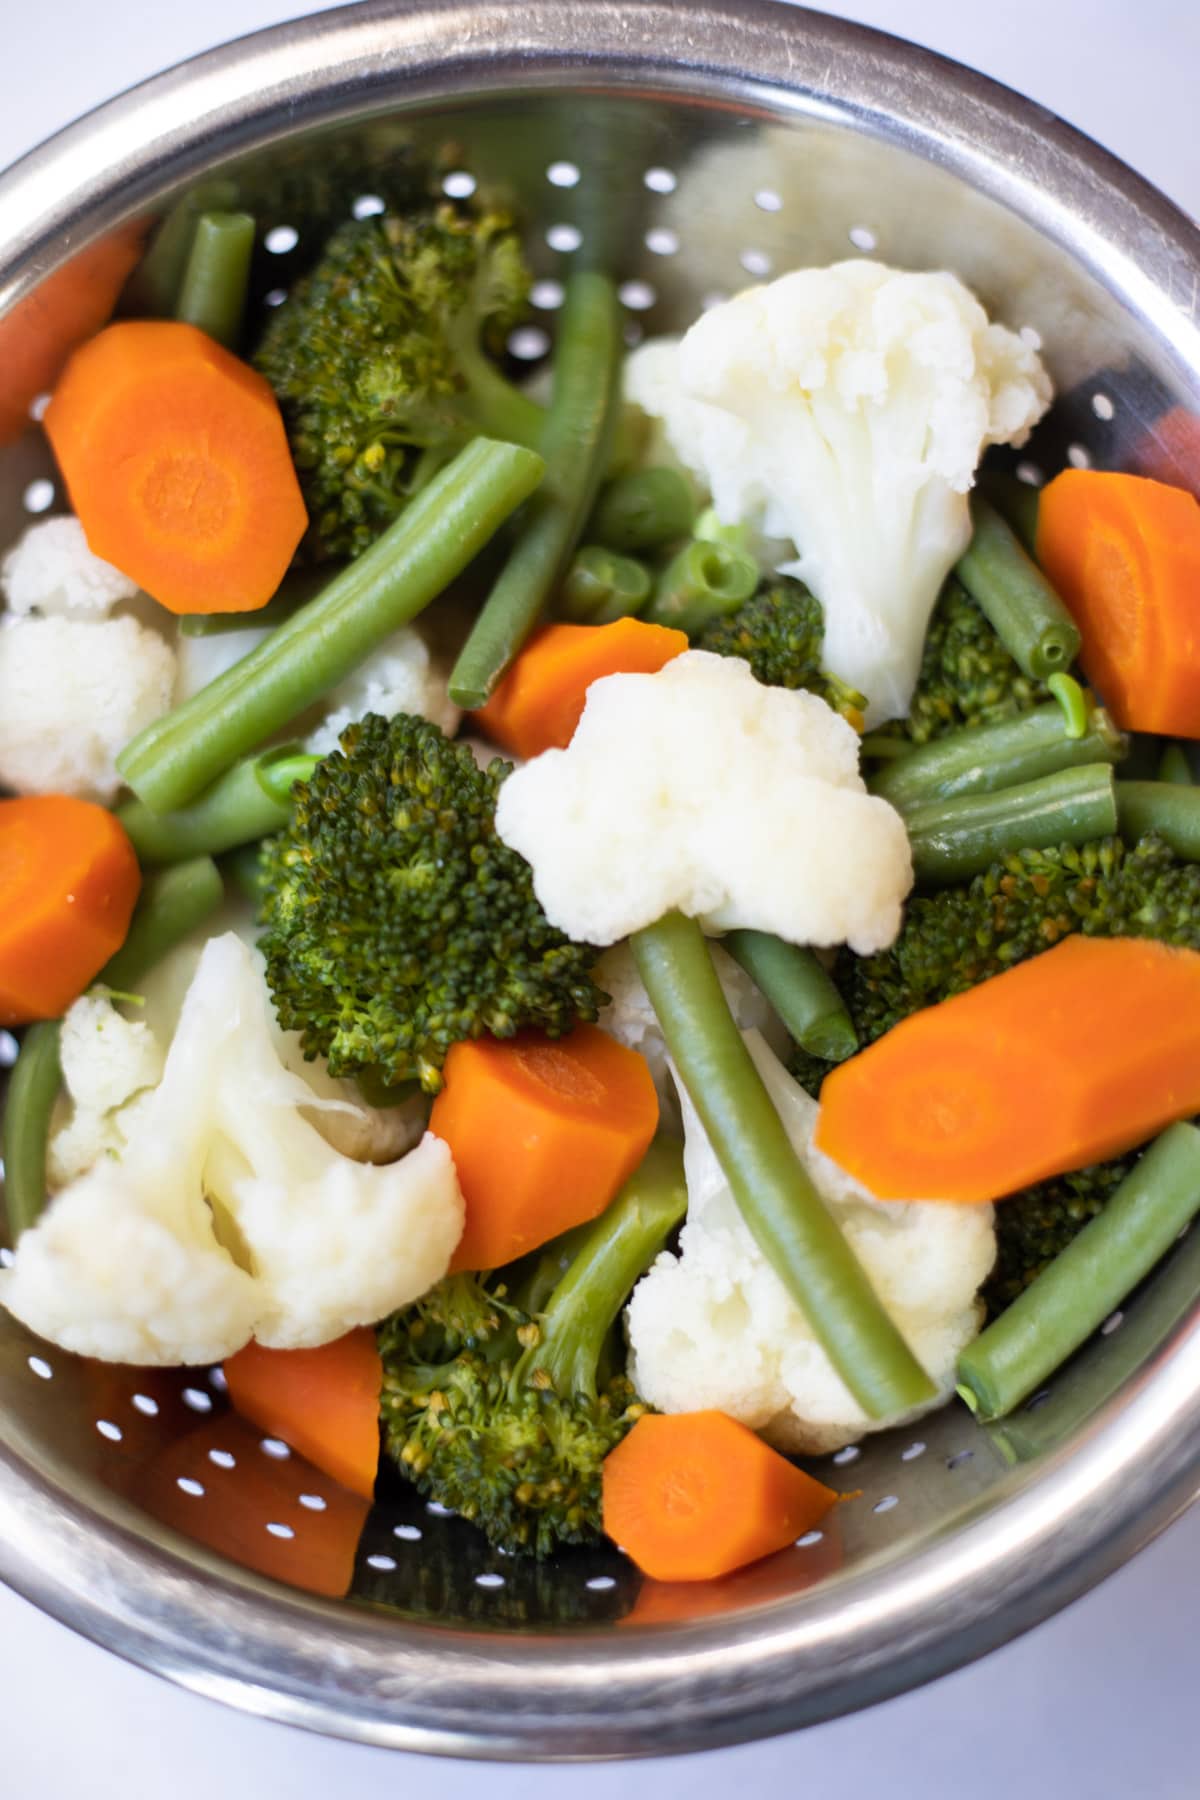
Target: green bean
432,541
799,989
243,867
1073,704
173,902
155,283
1087,1280
774,1194
600,587
171,905
1027,615
982,759
702,582
1016,502
644,510
217,277
248,802
877,747
954,839
295,590
1174,766
575,445
1172,812
33,1090
709,530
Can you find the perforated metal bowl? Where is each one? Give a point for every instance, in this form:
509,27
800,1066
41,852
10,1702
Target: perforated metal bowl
695,147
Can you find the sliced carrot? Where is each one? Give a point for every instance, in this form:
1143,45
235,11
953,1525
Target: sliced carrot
1072,1057
538,704
176,460
39,334
542,1134
691,1496
69,879
1124,553
323,1402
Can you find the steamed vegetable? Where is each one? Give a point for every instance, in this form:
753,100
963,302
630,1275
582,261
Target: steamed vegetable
1124,553
499,1397
1005,754
323,1402
799,989
541,699
699,789
645,509
1014,596
702,583
397,922
217,276
381,359
1105,1033
696,1496
602,586
542,1135
967,677
780,632
954,839
844,410
175,458
51,571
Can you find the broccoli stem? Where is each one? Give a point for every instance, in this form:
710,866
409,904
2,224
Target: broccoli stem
1025,612
1076,1292
217,276
799,989
600,587
608,1258
703,582
171,905
501,410
1015,501
954,839
779,1203
248,802
986,758
431,542
1174,766
574,443
1164,807
643,510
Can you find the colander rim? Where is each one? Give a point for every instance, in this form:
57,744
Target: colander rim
894,1620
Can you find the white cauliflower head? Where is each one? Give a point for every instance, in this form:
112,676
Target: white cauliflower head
714,1326
51,571
401,676
845,410
699,788
226,1213
72,694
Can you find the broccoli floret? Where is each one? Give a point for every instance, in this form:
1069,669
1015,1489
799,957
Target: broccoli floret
779,632
397,922
379,360
1032,1227
967,676
497,1401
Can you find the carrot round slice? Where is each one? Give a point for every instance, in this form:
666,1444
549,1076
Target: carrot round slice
69,879
1072,1057
1124,554
691,1496
539,702
323,1402
177,463
543,1135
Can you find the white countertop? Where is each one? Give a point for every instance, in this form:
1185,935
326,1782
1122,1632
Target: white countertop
1099,1701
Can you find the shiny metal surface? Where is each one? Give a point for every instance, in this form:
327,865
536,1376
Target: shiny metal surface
711,143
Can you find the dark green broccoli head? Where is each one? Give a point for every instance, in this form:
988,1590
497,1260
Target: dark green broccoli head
967,676
397,922
779,632
498,1399
379,360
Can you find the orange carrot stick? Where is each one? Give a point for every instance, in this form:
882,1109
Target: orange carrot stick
542,1134
1070,1058
323,1402
690,1496
538,704
177,463
1124,553
69,879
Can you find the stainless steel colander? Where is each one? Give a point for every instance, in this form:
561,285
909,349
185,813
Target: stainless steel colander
696,147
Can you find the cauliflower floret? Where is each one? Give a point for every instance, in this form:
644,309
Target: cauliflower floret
106,1060
400,677
699,788
72,694
201,659
845,410
227,1213
714,1326
50,570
